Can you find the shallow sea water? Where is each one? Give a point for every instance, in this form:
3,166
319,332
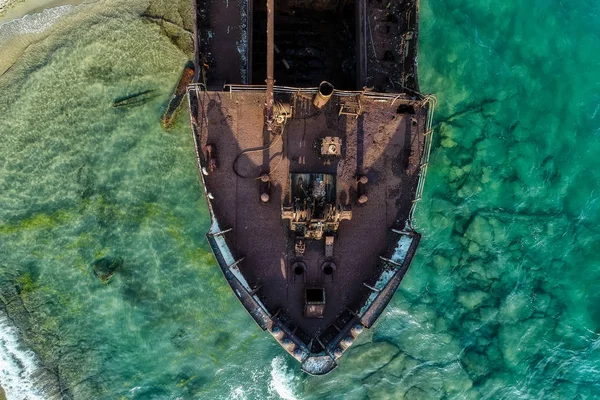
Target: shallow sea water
501,301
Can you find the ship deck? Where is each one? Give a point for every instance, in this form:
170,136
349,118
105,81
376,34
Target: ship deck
366,48
385,143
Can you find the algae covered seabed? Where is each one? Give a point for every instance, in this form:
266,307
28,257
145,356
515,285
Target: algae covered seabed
501,300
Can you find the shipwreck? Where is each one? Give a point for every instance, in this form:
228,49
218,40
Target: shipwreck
312,141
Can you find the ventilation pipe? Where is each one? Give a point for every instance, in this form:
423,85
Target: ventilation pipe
323,95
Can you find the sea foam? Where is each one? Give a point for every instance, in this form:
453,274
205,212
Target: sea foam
33,23
282,381
18,366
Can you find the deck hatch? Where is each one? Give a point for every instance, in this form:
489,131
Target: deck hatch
315,303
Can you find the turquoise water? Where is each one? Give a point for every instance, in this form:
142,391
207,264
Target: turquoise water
501,301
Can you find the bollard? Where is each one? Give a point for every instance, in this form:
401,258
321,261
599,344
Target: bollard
265,188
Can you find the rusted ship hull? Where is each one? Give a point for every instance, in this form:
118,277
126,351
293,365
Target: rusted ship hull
311,191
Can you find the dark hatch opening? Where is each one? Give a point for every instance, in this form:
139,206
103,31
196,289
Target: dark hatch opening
315,41
405,109
315,295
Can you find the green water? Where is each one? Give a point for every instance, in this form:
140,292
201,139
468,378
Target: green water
501,301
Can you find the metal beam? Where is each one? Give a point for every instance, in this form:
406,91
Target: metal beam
255,290
269,101
221,233
371,287
397,264
236,263
399,232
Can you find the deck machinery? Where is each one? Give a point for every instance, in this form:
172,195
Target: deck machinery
312,142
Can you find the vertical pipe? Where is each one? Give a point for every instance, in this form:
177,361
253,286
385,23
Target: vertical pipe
270,61
196,45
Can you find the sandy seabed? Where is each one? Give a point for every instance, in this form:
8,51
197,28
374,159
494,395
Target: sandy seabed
5,4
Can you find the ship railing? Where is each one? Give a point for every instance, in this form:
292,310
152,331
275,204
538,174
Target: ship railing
367,93
432,101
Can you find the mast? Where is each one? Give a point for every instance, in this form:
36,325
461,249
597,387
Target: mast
270,61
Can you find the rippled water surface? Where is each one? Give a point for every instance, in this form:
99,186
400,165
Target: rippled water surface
501,300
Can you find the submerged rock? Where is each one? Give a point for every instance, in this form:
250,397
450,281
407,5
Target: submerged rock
365,360
519,342
515,307
480,231
477,365
472,300
105,268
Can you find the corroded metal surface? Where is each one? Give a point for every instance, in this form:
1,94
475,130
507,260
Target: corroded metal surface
378,175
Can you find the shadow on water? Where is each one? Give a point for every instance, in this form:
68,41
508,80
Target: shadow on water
136,99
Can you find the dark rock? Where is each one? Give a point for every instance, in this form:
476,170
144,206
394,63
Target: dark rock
105,268
476,364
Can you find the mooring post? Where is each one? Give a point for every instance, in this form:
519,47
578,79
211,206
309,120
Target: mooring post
270,64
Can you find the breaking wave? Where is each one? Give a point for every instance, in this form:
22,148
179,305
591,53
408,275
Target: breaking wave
282,380
237,393
18,366
33,23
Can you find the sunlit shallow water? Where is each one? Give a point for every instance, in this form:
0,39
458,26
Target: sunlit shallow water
501,300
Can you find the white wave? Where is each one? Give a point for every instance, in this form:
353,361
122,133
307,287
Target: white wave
282,381
237,393
33,23
18,366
